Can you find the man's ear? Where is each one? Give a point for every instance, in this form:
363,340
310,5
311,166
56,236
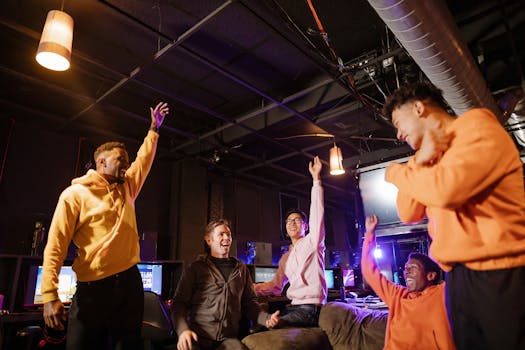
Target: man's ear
431,276
100,162
419,107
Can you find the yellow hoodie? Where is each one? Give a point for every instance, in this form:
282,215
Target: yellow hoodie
100,219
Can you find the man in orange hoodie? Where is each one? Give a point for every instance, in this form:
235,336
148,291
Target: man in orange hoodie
417,317
467,177
97,213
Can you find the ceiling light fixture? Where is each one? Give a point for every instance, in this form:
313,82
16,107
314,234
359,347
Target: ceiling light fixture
336,161
336,157
54,49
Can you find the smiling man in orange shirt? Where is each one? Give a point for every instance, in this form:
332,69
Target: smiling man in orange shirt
417,317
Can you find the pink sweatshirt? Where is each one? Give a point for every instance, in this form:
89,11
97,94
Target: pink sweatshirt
303,265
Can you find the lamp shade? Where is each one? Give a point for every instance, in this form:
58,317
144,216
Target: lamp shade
54,50
336,161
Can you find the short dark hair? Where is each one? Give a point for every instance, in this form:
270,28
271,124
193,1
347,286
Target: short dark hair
423,91
214,223
428,264
296,211
108,146
209,229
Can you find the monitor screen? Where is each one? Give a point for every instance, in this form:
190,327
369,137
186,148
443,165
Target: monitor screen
329,278
67,285
348,277
379,196
151,274
264,273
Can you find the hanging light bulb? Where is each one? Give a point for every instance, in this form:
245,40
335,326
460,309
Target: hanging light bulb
336,161
54,50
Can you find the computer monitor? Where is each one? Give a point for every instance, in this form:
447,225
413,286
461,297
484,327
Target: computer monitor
264,273
151,274
348,277
329,278
67,285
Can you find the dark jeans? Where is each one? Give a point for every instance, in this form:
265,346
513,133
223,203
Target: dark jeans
486,309
304,315
107,314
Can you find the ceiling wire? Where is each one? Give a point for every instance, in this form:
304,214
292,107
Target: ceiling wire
156,6
339,62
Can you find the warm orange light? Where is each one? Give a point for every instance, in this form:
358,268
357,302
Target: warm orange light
54,50
336,161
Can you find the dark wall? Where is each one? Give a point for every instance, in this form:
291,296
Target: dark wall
40,164
174,202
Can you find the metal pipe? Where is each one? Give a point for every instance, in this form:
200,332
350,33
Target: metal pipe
430,35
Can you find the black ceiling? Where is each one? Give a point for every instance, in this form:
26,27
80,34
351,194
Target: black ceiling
241,77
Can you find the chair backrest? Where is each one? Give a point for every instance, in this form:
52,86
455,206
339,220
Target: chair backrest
156,322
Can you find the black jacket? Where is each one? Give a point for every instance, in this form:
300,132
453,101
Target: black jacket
211,306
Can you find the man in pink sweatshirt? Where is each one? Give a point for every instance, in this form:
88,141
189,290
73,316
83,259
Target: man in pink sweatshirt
303,265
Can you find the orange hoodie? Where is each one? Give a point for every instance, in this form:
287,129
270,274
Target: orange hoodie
473,196
100,219
416,320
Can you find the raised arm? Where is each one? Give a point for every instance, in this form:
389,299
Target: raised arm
383,288
139,169
316,222
157,115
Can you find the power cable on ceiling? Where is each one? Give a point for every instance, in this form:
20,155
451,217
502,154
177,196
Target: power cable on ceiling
339,62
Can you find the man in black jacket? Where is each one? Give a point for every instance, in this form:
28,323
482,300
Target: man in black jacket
213,294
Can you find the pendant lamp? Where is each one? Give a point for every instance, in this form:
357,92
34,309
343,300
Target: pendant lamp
336,161
54,50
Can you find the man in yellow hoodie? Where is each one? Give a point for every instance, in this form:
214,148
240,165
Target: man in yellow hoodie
467,177
97,213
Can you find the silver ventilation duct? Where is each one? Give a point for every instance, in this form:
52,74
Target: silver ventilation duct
429,34
516,122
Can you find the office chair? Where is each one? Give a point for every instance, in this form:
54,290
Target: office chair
157,328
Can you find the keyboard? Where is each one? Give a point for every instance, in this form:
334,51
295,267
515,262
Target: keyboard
367,302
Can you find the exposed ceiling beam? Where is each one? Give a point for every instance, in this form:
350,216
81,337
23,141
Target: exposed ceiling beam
173,44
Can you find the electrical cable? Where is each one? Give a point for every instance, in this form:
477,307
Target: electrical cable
51,339
338,60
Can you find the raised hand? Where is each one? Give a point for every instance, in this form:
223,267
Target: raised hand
315,168
158,114
434,143
370,225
